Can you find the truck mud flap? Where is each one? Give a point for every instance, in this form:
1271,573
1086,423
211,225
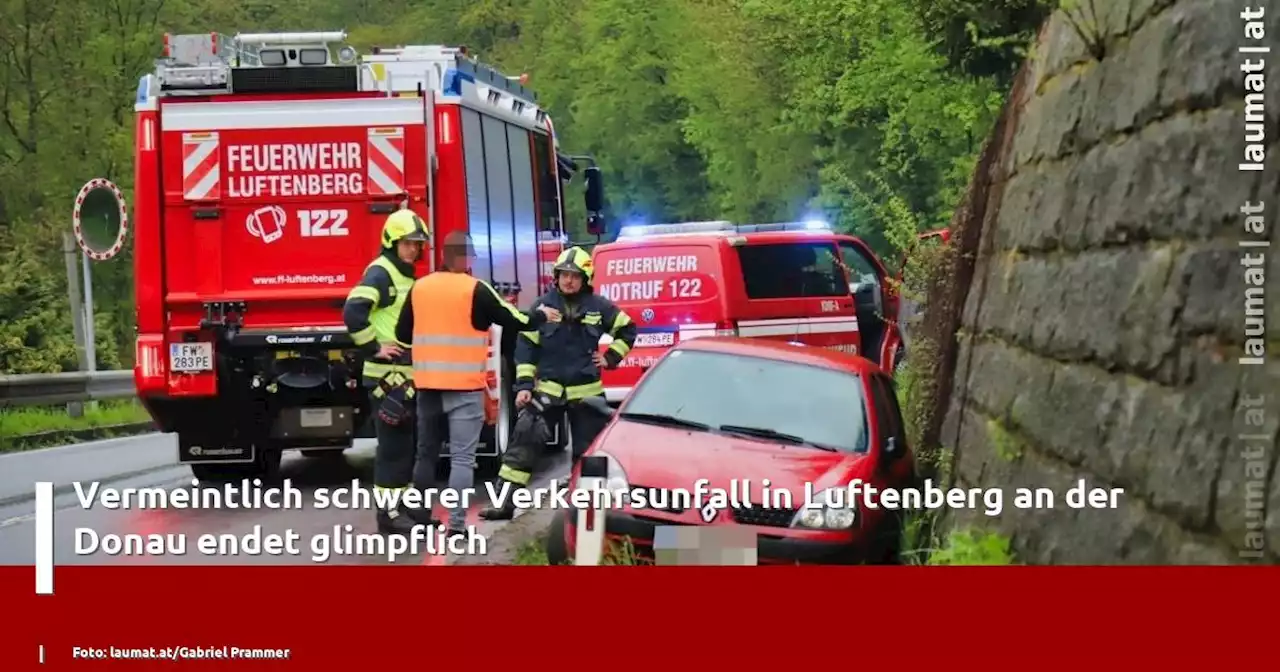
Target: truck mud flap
195,451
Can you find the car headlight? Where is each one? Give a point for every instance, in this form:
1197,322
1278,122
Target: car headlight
821,515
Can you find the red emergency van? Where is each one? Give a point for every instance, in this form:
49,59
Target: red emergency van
783,281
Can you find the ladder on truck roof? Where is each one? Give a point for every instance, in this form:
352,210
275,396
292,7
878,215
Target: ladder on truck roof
204,64
402,69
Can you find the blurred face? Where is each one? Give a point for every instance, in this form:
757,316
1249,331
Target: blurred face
459,260
409,250
569,283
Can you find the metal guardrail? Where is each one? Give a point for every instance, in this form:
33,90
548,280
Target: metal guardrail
60,388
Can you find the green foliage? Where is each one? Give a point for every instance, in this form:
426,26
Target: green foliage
973,547
757,110
925,544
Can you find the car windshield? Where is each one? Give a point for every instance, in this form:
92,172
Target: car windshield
753,396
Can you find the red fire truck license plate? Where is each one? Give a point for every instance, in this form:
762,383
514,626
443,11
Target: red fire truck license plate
188,357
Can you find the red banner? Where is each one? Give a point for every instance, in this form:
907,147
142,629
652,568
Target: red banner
355,618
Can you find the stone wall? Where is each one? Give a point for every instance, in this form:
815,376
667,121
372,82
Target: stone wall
1099,333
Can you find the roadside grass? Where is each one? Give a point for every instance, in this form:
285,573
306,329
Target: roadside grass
34,420
533,551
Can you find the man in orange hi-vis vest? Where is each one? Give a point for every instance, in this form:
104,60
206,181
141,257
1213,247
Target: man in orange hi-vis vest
447,320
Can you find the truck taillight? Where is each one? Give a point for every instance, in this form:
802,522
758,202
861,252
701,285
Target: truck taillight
150,373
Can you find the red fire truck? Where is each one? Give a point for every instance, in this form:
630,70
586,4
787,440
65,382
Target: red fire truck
265,167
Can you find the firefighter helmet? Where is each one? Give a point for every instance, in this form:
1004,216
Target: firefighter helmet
403,225
575,260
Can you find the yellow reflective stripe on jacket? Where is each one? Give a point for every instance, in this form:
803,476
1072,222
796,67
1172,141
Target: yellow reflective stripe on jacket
378,370
620,320
620,347
366,335
533,336
572,392
515,312
526,371
364,292
514,475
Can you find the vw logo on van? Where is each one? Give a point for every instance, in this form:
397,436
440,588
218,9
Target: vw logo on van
647,314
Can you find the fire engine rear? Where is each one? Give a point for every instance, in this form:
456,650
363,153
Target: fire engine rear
266,165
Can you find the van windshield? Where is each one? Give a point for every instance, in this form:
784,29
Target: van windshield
792,270
718,390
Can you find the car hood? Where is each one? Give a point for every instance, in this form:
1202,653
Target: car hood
663,457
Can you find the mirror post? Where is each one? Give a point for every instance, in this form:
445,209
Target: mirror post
75,409
90,337
90,333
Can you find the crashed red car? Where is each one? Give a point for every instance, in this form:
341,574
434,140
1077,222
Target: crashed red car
744,410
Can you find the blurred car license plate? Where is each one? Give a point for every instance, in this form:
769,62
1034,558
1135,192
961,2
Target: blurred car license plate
659,340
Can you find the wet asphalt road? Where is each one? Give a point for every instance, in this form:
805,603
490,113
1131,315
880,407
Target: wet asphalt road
149,461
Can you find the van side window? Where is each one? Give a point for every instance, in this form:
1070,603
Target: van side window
791,270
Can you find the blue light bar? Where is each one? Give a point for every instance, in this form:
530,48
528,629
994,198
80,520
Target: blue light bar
642,231
809,225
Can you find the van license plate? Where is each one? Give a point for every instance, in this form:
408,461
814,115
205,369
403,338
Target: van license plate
316,417
659,340
190,357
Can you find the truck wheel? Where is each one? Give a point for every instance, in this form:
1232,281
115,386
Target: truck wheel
557,547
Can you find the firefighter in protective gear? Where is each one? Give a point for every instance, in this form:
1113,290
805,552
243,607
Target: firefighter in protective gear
371,312
447,320
563,361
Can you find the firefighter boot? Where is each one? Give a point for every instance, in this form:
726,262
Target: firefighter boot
421,516
395,521
505,512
